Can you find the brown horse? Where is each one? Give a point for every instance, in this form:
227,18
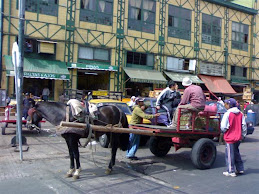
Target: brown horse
55,112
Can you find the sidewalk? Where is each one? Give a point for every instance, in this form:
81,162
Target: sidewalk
44,167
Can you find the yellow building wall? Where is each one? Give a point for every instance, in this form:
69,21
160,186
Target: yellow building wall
255,62
98,35
59,85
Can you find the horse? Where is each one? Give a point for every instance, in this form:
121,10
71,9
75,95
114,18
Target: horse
55,112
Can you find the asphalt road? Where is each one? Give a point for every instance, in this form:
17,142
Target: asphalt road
45,164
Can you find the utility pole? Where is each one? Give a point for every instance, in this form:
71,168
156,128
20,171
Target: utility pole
18,66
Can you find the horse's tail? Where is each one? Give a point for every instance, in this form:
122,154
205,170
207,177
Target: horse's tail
124,137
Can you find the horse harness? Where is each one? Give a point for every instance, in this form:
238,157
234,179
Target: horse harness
90,120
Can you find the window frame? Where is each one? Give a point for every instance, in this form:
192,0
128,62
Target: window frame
141,23
181,21
242,75
95,16
140,65
94,59
210,25
185,64
239,44
38,7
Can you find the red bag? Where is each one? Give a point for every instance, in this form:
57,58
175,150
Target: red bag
209,110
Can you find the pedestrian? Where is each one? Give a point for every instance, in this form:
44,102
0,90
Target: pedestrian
233,125
62,98
238,105
245,105
193,100
27,104
45,94
168,100
132,102
220,101
137,117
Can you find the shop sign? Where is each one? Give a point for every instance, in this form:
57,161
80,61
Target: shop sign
94,67
45,75
100,93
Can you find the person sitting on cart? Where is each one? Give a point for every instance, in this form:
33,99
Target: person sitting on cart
137,117
27,104
168,100
193,100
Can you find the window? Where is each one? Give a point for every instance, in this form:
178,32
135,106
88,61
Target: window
176,64
142,15
240,36
140,59
39,49
48,7
179,22
211,30
239,71
93,54
97,11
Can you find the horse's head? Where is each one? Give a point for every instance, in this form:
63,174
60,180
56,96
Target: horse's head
34,118
92,109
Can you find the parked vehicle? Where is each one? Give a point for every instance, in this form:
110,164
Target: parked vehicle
104,139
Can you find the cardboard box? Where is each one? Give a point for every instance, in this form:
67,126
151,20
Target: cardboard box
248,93
247,97
247,89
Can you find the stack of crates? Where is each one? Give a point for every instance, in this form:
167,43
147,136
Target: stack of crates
247,93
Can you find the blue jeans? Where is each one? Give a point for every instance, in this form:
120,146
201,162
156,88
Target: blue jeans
45,98
133,145
233,157
25,113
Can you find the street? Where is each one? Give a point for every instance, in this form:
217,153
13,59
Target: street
46,163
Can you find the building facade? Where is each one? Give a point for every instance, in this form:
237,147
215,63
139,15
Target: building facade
131,46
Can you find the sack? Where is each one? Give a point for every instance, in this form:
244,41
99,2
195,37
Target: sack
209,110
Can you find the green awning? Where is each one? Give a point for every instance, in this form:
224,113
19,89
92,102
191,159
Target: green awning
145,76
35,68
93,66
178,77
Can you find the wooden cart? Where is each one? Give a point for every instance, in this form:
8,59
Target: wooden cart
7,121
199,137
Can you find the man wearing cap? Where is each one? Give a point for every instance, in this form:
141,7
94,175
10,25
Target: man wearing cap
193,100
168,100
233,125
27,104
137,116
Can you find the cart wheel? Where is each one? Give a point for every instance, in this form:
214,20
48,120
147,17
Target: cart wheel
104,141
3,128
204,153
160,146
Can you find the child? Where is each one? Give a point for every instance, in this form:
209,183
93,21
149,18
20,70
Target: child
233,126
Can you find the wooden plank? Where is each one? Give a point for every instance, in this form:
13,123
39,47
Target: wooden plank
149,131
108,129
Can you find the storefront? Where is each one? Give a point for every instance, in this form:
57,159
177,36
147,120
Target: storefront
217,85
95,76
138,82
39,74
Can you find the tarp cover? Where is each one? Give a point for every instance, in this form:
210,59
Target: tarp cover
178,77
217,84
145,76
36,68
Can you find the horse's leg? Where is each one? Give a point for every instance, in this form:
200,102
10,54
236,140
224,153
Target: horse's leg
71,155
74,144
114,144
